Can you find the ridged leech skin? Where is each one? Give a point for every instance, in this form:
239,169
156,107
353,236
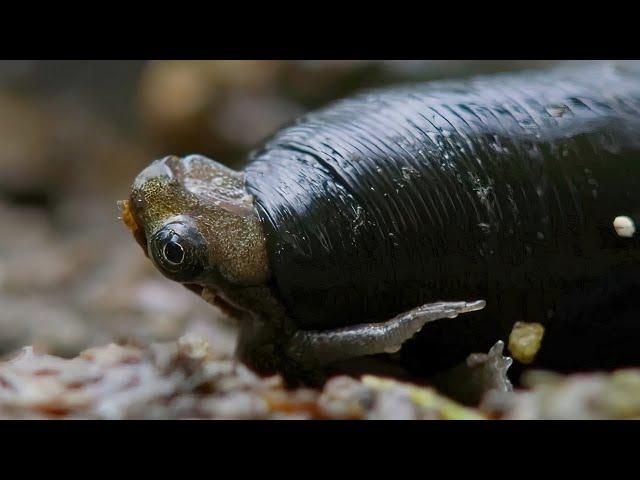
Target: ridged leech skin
503,187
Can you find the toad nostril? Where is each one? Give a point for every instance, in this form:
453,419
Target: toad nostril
137,201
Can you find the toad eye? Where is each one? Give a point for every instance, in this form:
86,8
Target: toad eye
179,251
173,252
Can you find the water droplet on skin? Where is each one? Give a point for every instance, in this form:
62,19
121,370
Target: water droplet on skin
484,227
557,110
406,173
624,226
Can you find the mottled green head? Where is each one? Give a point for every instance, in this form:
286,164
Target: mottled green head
196,222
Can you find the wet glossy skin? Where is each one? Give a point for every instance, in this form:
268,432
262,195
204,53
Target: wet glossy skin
504,188
501,187
198,226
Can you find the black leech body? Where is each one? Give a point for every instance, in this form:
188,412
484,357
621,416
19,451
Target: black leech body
503,188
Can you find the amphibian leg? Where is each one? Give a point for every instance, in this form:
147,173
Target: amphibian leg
323,347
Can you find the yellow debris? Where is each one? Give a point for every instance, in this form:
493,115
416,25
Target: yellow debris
525,340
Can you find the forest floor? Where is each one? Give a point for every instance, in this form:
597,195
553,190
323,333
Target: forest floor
88,329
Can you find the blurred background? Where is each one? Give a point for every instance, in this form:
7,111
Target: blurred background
73,135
